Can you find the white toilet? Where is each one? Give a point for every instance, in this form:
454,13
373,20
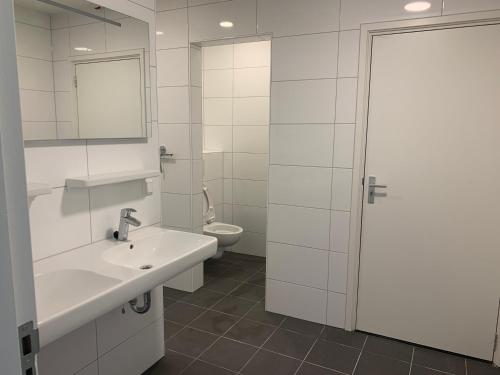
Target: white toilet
226,234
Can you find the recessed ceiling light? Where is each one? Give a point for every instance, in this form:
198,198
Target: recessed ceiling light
226,24
82,49
417,6
159,33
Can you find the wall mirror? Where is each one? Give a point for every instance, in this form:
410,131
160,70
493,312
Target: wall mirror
83,71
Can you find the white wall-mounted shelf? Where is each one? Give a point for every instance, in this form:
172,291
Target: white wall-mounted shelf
109,178
36,189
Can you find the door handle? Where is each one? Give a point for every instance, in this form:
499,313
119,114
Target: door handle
372,188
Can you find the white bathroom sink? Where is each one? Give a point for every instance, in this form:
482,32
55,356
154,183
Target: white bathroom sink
76,287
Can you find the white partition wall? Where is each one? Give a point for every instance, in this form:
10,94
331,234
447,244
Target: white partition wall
314,70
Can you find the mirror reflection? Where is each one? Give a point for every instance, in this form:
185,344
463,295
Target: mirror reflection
83,71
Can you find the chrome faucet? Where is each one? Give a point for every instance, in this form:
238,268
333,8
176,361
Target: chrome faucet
126,219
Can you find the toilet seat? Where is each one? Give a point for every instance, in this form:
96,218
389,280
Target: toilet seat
226,234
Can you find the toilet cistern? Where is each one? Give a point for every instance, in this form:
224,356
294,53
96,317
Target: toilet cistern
126,219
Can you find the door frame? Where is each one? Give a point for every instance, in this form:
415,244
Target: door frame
368,31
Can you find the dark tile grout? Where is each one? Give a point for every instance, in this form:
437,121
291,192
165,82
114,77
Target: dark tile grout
309,351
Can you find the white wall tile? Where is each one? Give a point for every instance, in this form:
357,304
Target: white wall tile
217,111
250,193
204,20
228,165
35,74
197,211
218,138
305,57
303,102
107,156
196,66
337,280
176,210
335,315
196,141
33,42
341,189
62,76
463,6
307,145
348,53
253,139
176,176
251,82
91,36
213,166
343,149
31,17
252,244
347,89
37,106
172,67
196,105
174,27
299,226
64,106
39,130
251,219
218,83
356,12
133,34
294,17
170,4
250,166
79,348
339,234
216,191
69,156
296,301
248,55
218,57
228,213
197,176
53,220
251,111
107,201
300,186
176,139
228,191
298,265
173,105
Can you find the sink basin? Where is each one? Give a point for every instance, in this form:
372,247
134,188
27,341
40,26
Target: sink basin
72,286
154,251
77,286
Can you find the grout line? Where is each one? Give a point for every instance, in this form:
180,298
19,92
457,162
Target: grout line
411,361
359,356
310,349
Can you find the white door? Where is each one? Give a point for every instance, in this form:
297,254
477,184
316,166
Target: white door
430,252
17,296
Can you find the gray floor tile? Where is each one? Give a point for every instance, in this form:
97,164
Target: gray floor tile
439,361
190,342
202,368
250,332
170,329
257,279
475,367
341,336
222,285
333,356
290,343
309,369
172,364
301,326
239,273
265,362
374,364
214,322
174,293
203,298
250,292
419,370
259,314
182,313
234,305
229,354
391,348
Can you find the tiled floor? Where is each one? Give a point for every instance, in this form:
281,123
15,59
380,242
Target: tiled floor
223,329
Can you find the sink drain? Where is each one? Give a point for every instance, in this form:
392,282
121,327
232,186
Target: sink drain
146,267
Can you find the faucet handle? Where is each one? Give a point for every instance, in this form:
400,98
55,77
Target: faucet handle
125,212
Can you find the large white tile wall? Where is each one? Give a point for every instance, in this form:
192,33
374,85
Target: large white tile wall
314,70
71,218
236,89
